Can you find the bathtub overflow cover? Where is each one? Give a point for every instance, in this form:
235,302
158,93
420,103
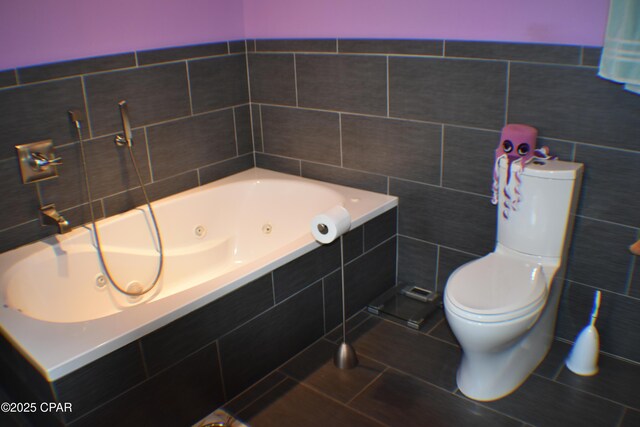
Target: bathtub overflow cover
200,231
101,281
267,228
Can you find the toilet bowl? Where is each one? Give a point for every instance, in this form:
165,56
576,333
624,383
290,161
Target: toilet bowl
502,307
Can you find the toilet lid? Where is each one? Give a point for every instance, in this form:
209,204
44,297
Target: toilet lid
497,287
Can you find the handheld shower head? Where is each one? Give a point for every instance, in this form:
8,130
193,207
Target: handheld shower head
127,137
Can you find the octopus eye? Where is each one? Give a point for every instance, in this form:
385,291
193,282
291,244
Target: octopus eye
507,146
523,149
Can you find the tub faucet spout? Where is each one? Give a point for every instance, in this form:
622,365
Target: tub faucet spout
51,216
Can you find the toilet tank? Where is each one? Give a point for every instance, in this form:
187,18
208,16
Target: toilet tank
542,223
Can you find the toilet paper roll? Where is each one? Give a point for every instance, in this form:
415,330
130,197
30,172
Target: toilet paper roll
329,225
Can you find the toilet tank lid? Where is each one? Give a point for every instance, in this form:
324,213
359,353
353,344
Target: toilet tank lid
551,169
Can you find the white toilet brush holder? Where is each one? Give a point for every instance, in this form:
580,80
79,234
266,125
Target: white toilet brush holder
583,358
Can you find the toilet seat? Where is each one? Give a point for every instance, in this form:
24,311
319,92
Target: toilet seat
496,288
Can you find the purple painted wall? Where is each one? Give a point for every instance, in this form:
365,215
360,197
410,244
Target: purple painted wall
41,31
580,22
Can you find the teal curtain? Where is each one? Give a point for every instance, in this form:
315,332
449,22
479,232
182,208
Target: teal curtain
620,59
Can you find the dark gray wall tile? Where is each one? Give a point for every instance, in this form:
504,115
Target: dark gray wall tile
591,56
178,339
296,45
155,56
380,228
634,288
278,164
354,241
417,263
332,292
247,397
69,189
130,199
599,256
369,276
244,139
18,202
303,134
610,178
71,68
106,378
465,92
459,220
530,52
341,176
36,112
153,94
585,409
347,83
469,157
631,418
398,148
386,400
554,361
256,126
238,46
448,261
8,78
574,103
218,82
109,167
391,46
618,319
199,140
273,79
225,168
22,234
305,270
181,395
276,336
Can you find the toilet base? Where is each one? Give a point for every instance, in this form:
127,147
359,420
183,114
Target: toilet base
487,375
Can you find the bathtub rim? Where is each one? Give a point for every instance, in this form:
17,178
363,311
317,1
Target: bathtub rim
32,337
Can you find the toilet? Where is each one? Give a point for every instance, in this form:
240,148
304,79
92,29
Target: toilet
502,307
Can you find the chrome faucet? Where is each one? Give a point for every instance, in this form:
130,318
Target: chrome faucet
50,216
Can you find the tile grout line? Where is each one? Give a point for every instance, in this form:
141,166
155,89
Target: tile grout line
333,399
590,393
366,386
252,401
186,65
388,88
506,95
251,118
148,150
221,370
235,131
456,125
86,107
295,77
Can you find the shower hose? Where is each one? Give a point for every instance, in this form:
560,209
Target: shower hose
127,292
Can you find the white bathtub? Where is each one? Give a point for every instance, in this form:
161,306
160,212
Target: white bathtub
217,238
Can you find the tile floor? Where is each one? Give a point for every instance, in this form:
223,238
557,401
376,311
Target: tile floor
407,378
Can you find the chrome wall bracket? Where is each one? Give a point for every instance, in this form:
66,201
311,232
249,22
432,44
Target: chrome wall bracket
37,161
